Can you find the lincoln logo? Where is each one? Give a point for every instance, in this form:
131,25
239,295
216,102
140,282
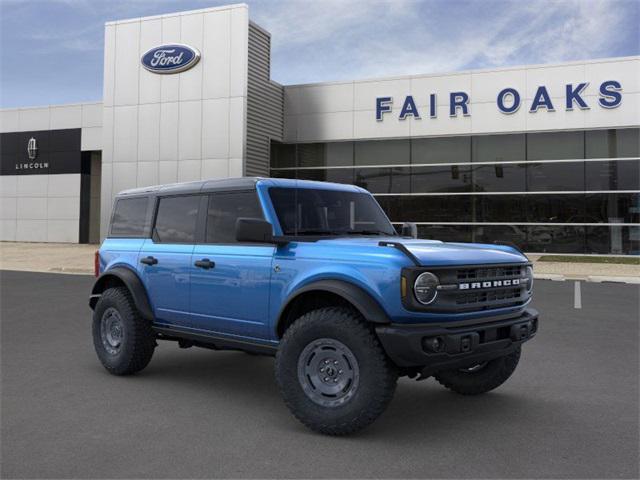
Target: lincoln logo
32,154
491,284
32,149
170,58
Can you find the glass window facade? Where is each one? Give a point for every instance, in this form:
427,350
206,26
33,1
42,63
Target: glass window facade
555,145
565,192
561,176
499,177
499,148
612,175
613,143
440,150
389,152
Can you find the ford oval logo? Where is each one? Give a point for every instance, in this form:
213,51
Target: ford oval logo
173,58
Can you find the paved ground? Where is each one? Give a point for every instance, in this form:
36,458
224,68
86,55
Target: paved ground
47,257
71,258
571,410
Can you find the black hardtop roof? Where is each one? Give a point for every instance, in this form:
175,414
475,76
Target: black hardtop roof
230,184
223,184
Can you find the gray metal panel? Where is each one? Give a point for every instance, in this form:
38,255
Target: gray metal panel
265,104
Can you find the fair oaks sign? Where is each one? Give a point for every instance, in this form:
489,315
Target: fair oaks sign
508,100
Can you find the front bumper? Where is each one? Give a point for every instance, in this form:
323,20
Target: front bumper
445,346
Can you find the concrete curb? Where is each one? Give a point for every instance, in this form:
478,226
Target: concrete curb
64,270
77,271
549,276
599,278
587,278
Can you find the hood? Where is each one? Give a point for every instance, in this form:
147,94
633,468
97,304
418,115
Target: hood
445,253
435,252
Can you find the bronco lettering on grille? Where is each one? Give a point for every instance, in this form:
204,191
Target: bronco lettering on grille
490,284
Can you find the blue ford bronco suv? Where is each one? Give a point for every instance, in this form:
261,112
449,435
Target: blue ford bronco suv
314,274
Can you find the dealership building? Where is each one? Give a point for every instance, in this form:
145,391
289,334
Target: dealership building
544,156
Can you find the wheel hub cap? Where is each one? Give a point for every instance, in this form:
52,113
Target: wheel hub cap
328,372
111,330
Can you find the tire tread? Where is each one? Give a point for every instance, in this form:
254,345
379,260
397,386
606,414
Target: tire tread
497,372
140,337
353,325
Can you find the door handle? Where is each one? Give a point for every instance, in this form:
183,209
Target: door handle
149,260
205,263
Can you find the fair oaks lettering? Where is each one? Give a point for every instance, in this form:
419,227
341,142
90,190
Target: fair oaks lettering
508,100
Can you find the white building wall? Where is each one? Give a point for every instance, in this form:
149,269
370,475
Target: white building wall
174,127
346,110
40,208
87,116
46,208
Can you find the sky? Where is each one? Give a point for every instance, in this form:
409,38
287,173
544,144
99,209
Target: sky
51,51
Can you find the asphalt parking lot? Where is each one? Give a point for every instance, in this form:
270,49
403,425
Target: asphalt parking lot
571,409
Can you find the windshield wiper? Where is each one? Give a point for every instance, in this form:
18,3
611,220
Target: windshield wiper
343,232
319,232
369,232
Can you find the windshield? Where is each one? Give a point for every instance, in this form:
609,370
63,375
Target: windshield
303,211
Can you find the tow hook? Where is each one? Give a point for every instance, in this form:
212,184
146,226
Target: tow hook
520,332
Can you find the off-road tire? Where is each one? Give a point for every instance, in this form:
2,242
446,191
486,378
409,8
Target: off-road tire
377,375
138,340
489,377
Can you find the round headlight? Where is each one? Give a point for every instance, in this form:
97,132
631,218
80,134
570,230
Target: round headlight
425,288
529,279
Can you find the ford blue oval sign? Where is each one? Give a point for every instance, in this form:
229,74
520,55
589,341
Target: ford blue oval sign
172,58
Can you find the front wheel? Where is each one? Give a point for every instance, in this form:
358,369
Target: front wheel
480,378
332,372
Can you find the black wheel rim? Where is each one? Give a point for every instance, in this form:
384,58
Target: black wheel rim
111,330
328,372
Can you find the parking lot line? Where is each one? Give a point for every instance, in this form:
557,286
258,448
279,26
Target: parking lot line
577,295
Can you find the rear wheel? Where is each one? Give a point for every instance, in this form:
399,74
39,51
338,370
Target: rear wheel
332,372
480,378
122,339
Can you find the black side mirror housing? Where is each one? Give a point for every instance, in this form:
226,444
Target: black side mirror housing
409,229
254,230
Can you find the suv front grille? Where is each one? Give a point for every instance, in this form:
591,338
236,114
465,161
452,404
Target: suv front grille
475,288
486,297
490,272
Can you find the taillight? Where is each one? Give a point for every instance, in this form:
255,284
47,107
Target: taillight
96,263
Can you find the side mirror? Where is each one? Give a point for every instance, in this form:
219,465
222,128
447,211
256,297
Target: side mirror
409,229
254,230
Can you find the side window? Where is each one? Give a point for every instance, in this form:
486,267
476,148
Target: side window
224,210
176,219
129,217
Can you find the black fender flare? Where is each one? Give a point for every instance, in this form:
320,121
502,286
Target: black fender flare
368,307
132,282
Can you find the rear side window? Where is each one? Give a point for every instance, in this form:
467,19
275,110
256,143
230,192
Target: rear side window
225,209
129,217
176,219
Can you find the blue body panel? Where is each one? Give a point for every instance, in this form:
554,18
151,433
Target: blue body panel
245,293
168,282
233,297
